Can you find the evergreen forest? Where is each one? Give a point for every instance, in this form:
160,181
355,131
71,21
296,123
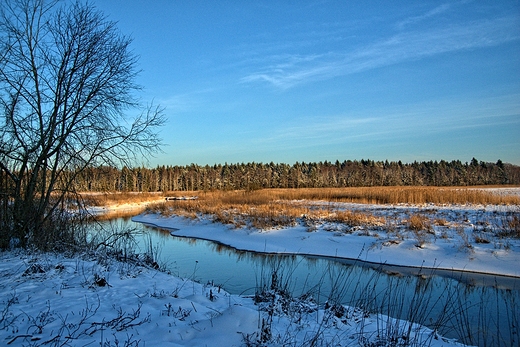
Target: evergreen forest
251,176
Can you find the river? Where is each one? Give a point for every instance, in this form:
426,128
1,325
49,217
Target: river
476,309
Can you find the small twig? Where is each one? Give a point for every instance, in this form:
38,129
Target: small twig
16,337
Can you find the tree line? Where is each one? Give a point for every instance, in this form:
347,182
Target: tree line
349,173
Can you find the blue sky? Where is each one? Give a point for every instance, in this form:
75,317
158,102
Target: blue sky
288,81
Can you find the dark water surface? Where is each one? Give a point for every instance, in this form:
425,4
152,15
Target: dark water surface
476,309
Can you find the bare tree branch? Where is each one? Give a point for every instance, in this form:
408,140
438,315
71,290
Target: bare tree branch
67,82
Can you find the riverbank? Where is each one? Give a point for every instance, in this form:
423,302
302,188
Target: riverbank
464,238
52,300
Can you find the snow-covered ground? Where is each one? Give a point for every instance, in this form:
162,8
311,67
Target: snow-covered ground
50,300
465,238
123,208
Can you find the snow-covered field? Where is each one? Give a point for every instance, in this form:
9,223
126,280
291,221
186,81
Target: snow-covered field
50,300
466,238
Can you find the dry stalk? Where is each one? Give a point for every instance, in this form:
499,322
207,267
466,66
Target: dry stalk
272,208
418,222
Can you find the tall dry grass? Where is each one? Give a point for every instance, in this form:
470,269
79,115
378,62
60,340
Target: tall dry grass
112,204
239,208
272,208
396,195
363,195
109,199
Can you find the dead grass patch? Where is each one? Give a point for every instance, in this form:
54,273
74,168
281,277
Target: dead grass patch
272,208
127,213
390,195
358,219
368,195
442,222
510,226
108,199
481,239
261,209
419,222
514,225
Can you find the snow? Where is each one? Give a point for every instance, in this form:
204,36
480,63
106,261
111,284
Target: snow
62,302
450,246
51,300
123,208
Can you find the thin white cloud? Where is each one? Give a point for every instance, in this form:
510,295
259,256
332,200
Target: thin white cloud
400,121
287,71
322,127
432,13
186,102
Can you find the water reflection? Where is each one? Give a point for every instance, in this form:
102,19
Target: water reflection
474,308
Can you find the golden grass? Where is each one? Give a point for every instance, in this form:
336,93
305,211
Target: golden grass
125,214
235,207
363,195
351,218
397,195
270,208
418,222
109,199
112,200
441,222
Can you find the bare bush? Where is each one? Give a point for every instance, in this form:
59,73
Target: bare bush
418,222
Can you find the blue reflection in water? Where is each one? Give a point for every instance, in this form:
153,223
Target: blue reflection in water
475,309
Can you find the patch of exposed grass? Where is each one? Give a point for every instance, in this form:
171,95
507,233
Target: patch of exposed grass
258,209
108,199
236,208
273,208
514,225
369,195
358,219
387,195
418,222
510,226
126,213
441,222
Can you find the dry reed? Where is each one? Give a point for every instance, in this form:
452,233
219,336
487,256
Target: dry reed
108,199
367,195
418,222
273,208
124,214
351,218
397,195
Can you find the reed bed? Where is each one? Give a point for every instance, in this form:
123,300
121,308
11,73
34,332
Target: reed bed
116,214
110,199
272,208
238,208
367,195
396,195
363,195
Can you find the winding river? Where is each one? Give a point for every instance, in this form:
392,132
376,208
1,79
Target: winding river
476,309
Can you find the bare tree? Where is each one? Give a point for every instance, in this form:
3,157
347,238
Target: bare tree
67,85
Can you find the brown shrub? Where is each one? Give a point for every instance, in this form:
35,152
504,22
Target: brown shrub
358,219
267,208
419,222
441,222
